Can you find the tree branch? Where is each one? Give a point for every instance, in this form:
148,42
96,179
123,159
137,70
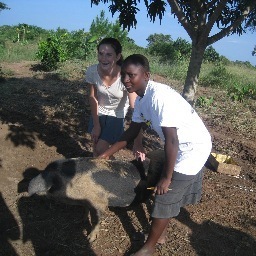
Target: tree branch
232,27
193,19
181,17
215,15
211,4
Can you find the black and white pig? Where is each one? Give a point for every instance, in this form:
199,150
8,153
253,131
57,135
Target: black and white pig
95,183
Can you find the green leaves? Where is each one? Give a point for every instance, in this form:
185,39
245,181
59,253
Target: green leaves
3,6
101,27
239,92
60,47
128,10
167,49
51,52
204,102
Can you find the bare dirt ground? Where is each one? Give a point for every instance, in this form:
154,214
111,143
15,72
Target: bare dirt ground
44,118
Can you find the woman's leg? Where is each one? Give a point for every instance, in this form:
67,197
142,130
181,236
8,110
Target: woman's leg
157,230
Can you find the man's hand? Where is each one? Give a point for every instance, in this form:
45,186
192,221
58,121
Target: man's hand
103,156
162,186
138,149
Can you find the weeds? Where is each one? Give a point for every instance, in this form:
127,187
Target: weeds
204,102
239,92
14,52
218,77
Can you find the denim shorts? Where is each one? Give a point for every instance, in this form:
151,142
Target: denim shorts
111,128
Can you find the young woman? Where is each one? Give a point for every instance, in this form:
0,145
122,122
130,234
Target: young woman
187,145
109,99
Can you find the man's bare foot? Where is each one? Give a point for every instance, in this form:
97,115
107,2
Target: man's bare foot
161,240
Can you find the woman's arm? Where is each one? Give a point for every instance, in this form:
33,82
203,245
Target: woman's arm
94,112
171,147
132,97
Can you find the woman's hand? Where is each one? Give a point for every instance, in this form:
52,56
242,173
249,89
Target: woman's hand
96,130
139,152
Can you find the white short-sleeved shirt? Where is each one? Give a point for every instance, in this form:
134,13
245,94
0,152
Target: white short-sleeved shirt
112,100
161,106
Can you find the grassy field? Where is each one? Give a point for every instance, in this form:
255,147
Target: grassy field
234,78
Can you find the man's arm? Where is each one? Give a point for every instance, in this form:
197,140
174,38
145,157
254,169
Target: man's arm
129,135
171,151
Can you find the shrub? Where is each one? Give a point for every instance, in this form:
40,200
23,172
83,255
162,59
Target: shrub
51,52
204,101
80,44
239,92
211,55
183,47
218,77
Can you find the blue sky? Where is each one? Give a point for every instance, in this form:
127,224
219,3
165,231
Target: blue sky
78,14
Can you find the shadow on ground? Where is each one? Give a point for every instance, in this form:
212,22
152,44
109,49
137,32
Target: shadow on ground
53,111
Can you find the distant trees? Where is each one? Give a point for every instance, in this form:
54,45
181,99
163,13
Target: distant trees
171,51
211,55
156,38
102,27
162,46
2,7
22,32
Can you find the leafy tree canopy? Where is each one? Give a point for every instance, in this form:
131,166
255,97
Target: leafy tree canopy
228,12
254,51
152,39
3,6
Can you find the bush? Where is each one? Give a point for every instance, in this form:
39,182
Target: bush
183,47
218,77
204,102
51,52
80,44
239,92
165,51
211,55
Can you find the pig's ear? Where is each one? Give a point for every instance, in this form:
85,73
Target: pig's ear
37,185
142,193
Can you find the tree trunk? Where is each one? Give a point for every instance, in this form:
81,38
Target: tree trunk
193,72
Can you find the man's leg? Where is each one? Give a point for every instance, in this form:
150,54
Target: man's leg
157,230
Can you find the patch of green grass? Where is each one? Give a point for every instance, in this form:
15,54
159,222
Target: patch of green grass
239,92
14,52
204,102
